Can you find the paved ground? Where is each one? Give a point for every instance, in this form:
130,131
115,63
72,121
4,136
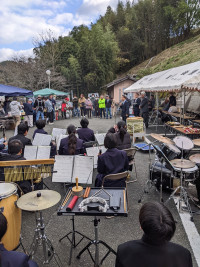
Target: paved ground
113,231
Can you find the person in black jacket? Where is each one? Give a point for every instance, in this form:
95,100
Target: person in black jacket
123,137
125,108
108,107
12,258
28,109
144,109
136,105
22,132
154,249
172,100
85,133
39,107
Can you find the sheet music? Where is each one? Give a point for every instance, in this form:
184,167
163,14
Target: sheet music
83,169
59,138
30,152
43,152
42,140
93,152
63,165
56,132
100,138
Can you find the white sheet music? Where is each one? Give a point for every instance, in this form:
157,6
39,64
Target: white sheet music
42,140
100,138
63,165
83,169
43,152
59,138
93,152
56,132
103,149
30,152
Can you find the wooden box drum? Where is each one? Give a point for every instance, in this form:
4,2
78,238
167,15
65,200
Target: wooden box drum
8,198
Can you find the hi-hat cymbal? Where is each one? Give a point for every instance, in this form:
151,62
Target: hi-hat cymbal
196,142
195,158
182,163
162,139
38,200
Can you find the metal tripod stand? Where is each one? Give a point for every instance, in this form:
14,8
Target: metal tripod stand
96,242
40,239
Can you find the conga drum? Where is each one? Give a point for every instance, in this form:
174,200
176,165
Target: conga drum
8,198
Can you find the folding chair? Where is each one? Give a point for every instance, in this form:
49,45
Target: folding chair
114,177
131,153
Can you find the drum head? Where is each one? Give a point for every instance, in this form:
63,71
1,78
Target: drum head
189,170
183,142
174,149
7,189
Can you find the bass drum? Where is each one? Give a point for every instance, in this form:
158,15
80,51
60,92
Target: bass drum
8,198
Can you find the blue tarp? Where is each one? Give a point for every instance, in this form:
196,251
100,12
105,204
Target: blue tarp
8,90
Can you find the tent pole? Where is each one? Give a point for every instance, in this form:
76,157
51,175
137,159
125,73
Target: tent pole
183,105
157,111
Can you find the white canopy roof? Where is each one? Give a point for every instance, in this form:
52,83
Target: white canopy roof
187,76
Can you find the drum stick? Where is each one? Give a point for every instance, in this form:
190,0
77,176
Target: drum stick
88,192
85,192
124,201
66,199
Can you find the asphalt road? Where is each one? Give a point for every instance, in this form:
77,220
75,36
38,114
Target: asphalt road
113,231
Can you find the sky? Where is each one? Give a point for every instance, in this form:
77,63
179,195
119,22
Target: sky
22,21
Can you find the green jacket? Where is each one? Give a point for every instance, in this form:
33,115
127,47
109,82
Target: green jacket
102,103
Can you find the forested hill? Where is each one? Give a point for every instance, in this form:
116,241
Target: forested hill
93,56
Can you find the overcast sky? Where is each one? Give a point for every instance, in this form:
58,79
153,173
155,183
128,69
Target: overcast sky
23,20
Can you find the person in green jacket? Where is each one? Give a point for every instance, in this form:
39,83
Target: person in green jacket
102,106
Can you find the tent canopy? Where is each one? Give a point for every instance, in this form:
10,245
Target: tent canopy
8,90
47,91
175,79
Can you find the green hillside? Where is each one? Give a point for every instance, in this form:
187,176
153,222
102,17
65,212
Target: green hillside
183,53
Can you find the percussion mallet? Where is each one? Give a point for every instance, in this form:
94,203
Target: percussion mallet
77,190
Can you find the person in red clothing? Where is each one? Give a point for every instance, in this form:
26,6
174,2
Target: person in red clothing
63,109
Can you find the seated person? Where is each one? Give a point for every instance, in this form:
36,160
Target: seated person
15,153
22,133
40,124
165,104
85,133
111,130
173,109
155,248
12,258
123,137
111,162
71,145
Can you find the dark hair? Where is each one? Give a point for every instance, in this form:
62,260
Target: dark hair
111,130
40,124
3,225
71,129
14,146
84,123
22,128
157,222
122,129
14,98
110,141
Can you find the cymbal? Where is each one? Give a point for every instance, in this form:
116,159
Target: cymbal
162,139
196,142
182,163
38,200
195,158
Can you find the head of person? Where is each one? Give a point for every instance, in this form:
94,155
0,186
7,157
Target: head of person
3,225
143,94
23,128
15,147
136,95
92,95
71,129
30,101
152,96
39,97
101,96
107,97
81,96
6,98
40,124
84,123
171,93
111,130
110,141
51,97
75,96
14,98
121,125
157,222
166,100
123,98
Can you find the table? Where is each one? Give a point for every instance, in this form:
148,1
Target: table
179,115
196,121
180,130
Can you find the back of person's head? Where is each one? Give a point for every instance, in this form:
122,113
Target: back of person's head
84,123
3,225
71,129
111,130
157,222
121,125
23,128
110,141
14,147
40,124
14,98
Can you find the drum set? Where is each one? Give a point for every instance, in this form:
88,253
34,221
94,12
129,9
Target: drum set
36,201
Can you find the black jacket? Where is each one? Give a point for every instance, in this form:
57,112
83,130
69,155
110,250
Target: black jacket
125,109
63,149
172,100
86,134
143,253
28,109
108,103
126,143
144,105
25,141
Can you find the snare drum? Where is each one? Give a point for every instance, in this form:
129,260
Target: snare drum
185,143
189,175
8,198
170,151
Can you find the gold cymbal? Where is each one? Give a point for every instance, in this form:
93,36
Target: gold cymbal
38,200
162,139
195,158
196,142
182,163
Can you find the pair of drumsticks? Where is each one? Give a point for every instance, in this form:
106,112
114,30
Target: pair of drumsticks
87,192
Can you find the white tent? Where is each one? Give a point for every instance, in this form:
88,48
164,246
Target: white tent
175,79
